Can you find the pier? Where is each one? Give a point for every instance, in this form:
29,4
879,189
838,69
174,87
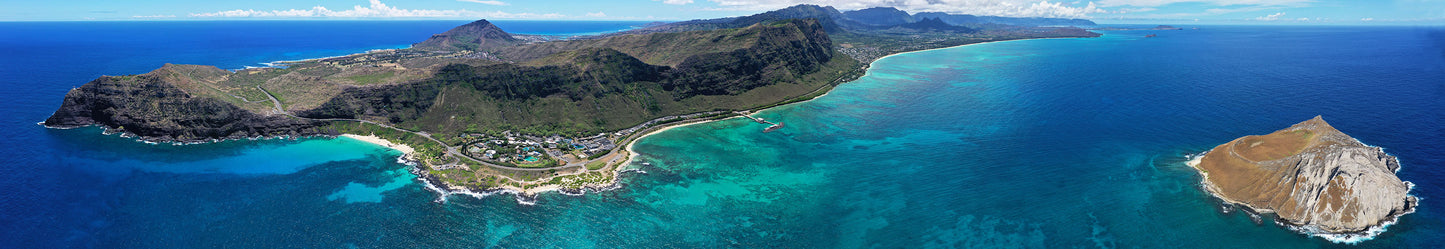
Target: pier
772,126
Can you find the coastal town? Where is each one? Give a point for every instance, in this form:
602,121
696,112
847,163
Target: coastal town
515,149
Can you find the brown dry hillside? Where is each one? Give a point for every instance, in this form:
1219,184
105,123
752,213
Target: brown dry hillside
1310,174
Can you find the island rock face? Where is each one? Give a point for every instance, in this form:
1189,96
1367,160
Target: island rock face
1311,176
480,34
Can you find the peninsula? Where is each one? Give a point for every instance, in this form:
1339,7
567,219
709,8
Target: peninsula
484,110
1314,177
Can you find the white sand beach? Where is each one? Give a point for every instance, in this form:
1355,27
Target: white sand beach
383,142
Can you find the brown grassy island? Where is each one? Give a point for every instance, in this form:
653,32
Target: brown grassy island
484,110
1314,177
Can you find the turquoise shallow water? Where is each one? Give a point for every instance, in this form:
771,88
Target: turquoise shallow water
1055,143
1072,143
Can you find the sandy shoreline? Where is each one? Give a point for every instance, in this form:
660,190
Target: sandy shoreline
383,142
632,154
524,195
870,64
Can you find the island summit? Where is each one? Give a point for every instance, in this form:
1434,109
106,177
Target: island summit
1315,178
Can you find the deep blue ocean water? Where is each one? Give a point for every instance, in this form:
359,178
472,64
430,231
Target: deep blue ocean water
1073,143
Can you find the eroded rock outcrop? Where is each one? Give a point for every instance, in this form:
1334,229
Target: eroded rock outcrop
158,106
1312,176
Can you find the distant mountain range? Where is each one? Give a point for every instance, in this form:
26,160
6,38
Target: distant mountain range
871,33
887,16
879,18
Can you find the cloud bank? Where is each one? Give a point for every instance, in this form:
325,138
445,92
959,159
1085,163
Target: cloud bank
676,2
1157,3
375,9
487,2
1270,17
1013,8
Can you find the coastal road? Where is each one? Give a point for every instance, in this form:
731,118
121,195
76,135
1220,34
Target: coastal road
453,152
275,102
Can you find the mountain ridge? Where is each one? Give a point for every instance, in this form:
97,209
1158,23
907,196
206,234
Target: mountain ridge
476,82
477,35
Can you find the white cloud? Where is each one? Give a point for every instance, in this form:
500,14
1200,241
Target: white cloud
1270,17
487,2
154,16
1134,10
1206,12
1217,11
1367,19
596,14
1015,8
1157,3
375,10
675,2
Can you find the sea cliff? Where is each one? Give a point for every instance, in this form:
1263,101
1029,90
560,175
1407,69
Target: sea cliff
1314,177
168,105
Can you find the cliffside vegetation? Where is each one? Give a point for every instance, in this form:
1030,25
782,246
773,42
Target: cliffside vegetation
478,81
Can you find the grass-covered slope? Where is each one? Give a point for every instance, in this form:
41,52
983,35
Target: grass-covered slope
173,103
599,86
567,87
1311,175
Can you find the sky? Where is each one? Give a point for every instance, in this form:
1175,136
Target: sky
1430,12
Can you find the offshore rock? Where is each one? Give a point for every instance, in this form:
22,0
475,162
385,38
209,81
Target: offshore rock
1312,176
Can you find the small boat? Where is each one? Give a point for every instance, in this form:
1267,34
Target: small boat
775,127
1150,36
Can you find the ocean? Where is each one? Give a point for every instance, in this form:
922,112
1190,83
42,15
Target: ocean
1053,143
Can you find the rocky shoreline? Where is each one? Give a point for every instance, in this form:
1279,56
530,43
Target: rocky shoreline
1315,180
108,130
82,104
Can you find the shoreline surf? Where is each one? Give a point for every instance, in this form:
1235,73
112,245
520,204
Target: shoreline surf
528,196
372,139
1351,238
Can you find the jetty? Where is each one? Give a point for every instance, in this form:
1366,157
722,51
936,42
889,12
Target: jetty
772,126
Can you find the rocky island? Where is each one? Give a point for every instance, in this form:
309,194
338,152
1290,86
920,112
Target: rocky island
486,110
1315,178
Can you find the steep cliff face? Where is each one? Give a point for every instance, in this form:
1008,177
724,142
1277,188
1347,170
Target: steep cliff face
763,54
1311,175
934,24
879,16
782,51
478,35
956,19
153,106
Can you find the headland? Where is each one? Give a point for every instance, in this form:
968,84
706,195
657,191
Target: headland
480,110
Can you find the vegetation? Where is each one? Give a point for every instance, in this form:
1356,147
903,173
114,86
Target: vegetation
477,79
371,78
426,150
